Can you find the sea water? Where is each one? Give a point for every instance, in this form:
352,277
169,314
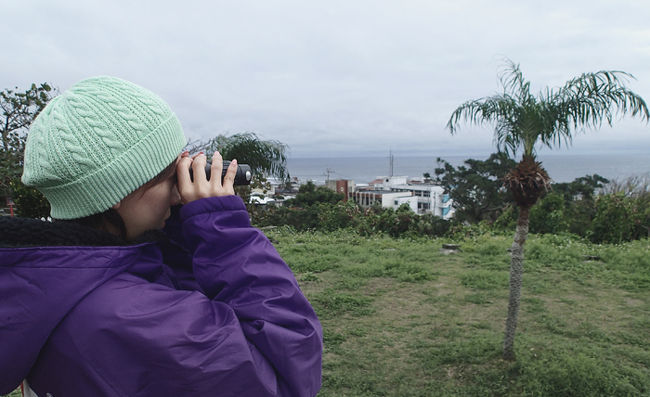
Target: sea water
560,167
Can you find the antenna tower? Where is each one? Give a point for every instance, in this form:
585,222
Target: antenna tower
329,171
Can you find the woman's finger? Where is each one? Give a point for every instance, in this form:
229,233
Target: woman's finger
215,169
229,179
198,169
183,173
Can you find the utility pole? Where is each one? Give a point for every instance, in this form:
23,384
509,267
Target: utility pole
329,171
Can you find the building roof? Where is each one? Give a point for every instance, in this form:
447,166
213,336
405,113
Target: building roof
418,187
375,191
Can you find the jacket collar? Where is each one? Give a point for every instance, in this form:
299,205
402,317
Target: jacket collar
26,232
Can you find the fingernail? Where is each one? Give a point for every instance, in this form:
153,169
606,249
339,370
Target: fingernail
234,161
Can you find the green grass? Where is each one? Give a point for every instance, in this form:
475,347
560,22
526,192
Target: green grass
401,318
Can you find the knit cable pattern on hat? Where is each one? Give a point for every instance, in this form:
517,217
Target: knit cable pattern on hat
98,142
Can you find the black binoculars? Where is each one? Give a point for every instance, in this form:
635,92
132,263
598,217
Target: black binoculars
243,176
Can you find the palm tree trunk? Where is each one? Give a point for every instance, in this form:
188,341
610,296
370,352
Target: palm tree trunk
516,272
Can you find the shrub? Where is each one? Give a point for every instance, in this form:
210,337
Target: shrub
619,218
327,216
549,216
337,216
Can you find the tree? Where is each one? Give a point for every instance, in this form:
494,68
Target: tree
30,203
523,121
310,194
477,187
19,109
265,157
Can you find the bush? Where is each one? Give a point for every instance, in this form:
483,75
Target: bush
579,215
327,216
609,218
337,216
549,216
619,218
507,220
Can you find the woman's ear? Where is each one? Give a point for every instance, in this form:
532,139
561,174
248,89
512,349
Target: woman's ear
116,206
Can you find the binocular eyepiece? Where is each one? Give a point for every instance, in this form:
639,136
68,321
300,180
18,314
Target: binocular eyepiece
243,176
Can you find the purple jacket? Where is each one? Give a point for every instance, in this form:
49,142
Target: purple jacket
213,312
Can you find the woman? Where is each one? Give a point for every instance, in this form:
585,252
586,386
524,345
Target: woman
96,304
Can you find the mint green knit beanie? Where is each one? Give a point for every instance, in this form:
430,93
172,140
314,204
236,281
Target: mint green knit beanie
96,143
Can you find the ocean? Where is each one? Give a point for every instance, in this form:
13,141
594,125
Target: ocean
560,167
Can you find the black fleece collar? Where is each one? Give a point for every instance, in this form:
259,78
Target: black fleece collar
26,232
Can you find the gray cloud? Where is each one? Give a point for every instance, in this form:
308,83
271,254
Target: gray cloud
331,77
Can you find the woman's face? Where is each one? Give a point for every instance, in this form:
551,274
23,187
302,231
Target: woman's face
148,207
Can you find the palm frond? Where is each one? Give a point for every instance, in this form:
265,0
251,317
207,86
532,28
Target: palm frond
263,156
513,82
522,120
592,98
483,110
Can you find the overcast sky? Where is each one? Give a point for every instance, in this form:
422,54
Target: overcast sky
332,77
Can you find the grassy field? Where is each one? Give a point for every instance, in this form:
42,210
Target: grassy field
401,318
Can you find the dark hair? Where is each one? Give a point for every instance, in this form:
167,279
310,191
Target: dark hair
111,217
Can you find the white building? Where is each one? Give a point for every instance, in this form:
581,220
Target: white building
385,198
431,199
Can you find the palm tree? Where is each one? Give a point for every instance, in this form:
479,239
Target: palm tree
267,157
523,121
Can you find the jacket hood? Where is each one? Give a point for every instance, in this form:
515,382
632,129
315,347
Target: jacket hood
45,270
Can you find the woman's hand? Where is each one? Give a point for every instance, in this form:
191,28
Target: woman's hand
201,187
